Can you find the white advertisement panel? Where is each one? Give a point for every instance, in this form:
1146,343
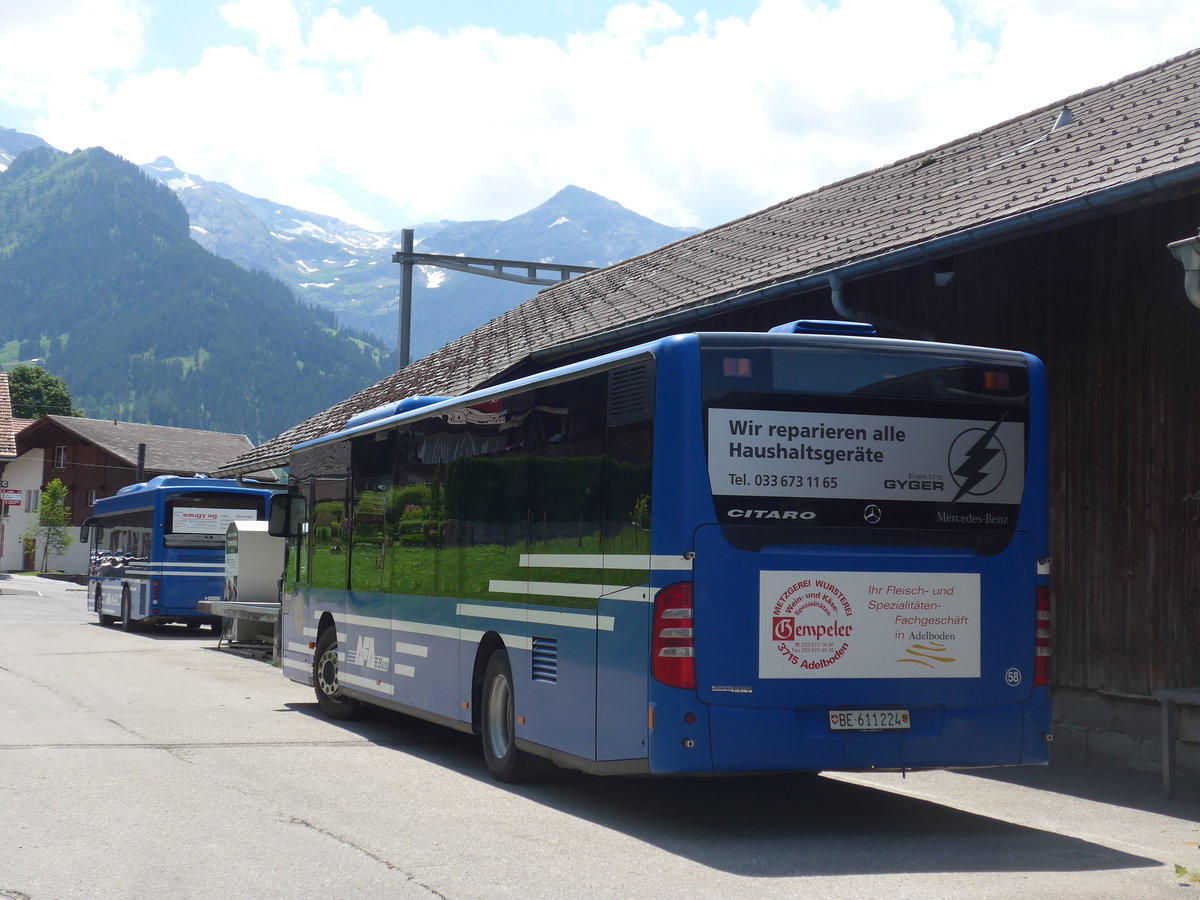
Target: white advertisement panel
868,625
199,520
772,453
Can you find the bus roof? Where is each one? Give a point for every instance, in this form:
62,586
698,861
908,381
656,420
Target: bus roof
144,490
792,334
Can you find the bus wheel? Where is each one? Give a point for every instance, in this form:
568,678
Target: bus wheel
127,623
325,679
104,619
496,724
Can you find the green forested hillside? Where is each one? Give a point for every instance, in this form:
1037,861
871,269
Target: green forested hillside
99,278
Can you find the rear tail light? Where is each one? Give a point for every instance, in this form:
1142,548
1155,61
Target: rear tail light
1041,642
673,641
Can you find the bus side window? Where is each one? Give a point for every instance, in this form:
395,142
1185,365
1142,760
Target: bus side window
330,534
415,515
487,485
374,498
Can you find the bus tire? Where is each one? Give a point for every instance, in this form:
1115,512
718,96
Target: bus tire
104,619
333,703
497,726
127,623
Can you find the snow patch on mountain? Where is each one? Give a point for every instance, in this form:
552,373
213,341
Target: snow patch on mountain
434,277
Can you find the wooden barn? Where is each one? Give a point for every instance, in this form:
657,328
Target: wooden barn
1048,233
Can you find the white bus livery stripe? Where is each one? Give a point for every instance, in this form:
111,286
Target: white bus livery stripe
590,621
406,671
519,642
446,631
637,593
297,665
158,573
604,561
515,641
412,649
370,684
455,633
173,567
549,588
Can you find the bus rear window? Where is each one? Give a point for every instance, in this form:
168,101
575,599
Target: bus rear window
843,372
840,444
201,520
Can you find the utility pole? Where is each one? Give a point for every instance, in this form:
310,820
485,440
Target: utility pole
473,265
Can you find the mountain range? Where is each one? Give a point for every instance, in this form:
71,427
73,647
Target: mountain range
338,266
326,283
101,283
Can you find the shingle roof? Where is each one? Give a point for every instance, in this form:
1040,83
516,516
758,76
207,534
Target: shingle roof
1138,134
8,438
168,450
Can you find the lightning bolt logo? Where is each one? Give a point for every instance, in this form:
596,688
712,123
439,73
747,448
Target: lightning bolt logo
974,468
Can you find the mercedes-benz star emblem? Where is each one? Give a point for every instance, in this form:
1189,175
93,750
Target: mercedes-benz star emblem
872,514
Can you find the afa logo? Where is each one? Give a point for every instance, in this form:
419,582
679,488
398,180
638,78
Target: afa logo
364,655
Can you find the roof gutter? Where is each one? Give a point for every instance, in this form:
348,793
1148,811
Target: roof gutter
833,277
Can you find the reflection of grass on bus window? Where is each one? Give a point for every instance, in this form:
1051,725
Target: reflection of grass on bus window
467,572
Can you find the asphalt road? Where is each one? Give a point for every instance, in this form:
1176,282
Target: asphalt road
154,765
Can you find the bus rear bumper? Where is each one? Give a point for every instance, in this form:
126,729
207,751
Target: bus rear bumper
940,737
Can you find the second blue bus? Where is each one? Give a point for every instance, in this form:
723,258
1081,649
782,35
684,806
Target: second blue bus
158,548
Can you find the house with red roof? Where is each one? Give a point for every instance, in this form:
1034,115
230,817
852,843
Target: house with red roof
95,458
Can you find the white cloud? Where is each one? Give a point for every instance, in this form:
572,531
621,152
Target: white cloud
689,121
62,51
274,23
631,23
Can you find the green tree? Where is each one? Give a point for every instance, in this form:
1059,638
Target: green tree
36,393
53,528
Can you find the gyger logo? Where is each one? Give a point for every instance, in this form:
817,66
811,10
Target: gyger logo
977,461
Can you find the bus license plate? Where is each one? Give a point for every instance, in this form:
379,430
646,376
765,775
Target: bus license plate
869,720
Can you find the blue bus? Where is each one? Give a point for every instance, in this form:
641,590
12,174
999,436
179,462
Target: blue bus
809,549
158,547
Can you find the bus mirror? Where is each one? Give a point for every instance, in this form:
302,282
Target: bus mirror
85,530
288,511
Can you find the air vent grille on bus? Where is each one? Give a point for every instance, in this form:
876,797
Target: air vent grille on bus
545,659
630,394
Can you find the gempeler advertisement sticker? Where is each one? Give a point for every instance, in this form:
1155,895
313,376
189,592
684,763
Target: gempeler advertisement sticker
771,453
868,625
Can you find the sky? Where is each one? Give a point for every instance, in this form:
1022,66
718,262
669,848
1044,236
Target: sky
691,112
